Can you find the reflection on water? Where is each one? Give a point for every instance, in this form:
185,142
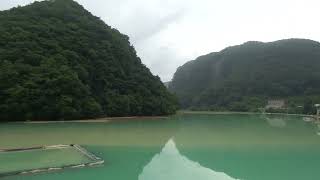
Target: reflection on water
308,119
318,128
169,164
275,121
202,147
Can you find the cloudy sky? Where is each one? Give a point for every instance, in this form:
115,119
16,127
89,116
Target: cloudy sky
168,33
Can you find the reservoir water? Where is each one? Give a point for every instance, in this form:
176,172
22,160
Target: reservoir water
181,147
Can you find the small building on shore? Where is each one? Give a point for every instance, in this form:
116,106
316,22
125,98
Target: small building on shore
276,104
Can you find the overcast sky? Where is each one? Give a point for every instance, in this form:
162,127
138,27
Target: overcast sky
168,33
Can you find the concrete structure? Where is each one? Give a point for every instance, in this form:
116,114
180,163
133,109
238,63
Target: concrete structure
93,160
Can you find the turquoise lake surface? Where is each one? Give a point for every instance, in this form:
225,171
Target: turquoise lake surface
181,147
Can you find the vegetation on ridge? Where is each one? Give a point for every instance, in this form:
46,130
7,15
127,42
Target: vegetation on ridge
244,77
57,61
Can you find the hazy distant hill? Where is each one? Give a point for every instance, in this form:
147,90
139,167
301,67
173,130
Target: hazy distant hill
243,77
167,84
58,61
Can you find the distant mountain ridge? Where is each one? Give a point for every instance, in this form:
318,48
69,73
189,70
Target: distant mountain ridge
253,70
58,61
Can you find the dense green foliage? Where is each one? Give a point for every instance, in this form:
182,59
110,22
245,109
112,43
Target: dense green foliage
57,61
244,77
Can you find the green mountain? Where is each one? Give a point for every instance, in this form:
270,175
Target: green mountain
243,77
58,61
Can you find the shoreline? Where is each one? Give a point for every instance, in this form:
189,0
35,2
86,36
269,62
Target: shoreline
244,113
181,112
97,120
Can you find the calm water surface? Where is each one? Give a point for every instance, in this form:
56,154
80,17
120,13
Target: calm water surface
183,147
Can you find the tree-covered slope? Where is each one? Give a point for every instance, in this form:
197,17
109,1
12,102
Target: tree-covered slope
249,73
58,61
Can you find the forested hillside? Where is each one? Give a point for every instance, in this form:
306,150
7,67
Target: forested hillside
244,77
58,61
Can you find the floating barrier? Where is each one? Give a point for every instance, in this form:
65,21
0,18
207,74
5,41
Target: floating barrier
93,160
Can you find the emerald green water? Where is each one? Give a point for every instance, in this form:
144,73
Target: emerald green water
183,147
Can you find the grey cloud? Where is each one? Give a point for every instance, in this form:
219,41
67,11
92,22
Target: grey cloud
151,27
167,33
